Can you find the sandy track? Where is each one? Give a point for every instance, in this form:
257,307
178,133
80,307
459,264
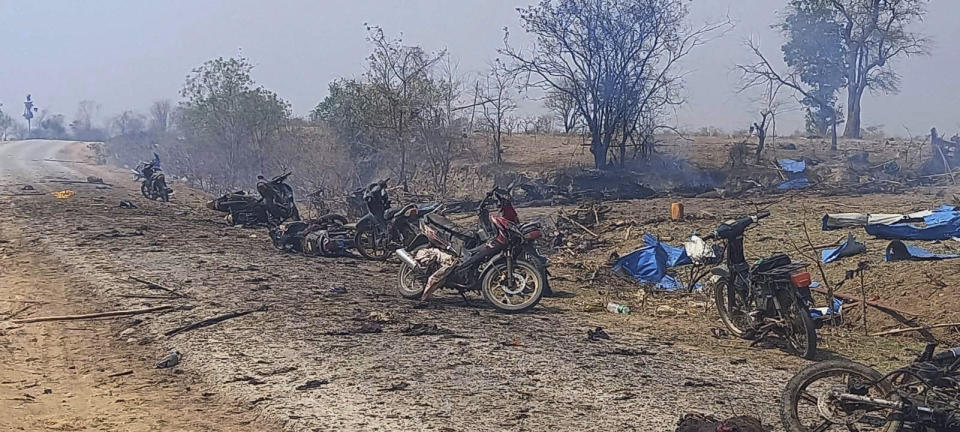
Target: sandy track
491,372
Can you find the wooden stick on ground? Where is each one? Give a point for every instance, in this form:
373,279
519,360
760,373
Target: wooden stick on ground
878,306
905,330
579,225
22,310
946,165
94,315
154,285
212,321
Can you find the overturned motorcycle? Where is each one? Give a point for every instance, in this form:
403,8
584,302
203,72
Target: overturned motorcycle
498,267
841,395
324,236
275,205
153,184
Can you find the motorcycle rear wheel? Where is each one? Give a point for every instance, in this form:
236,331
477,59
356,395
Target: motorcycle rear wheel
164,195
529,288
735,318
804,399
409,284
370,244
801,333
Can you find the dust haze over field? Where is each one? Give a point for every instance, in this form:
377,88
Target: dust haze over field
125,55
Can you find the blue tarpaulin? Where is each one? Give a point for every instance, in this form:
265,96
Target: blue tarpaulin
941,214
792,166
946,226
900,251
798,183
796,179
649,264
849,247
824,311
676,256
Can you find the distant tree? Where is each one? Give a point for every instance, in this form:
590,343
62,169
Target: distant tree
224,107
87,111
399,75
128,123
6,123
563,106
497,103
616,59
161,112
761,74
439,129
51,126
348,111
873,32
815,50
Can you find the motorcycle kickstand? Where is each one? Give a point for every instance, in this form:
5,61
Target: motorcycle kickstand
463,295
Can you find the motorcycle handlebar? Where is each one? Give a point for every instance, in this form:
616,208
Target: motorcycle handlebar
762,215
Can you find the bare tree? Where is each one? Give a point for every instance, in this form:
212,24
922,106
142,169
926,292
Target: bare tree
615,58
761,74
496,104
128,123
875,32
160,115
439,129
398,74
87,111
564,107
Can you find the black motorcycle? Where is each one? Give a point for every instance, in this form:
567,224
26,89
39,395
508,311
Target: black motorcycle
383,228
153,184
772,296
323,236
497,266
277,196
274,206
842,395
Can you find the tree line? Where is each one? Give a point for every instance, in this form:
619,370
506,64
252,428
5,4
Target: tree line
607,70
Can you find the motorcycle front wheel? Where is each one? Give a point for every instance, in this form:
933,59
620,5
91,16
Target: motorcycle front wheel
523,296
807,403
371,244
145,190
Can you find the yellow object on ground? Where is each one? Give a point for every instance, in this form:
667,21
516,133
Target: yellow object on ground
64,194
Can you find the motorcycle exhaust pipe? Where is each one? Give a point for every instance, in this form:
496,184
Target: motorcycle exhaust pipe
408,259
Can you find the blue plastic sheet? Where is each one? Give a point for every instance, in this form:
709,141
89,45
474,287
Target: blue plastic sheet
797,183
676,256
792,166
946,226
849,247
649,264
900,251
941,214
837,309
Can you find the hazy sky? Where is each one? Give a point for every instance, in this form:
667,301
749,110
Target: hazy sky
127,53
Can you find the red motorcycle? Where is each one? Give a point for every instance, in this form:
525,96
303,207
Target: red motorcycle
497,266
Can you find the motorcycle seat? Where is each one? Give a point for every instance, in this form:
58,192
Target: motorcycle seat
448,226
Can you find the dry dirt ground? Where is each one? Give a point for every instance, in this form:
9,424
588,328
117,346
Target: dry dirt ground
301,363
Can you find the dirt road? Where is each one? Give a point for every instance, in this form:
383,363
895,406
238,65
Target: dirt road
302,363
